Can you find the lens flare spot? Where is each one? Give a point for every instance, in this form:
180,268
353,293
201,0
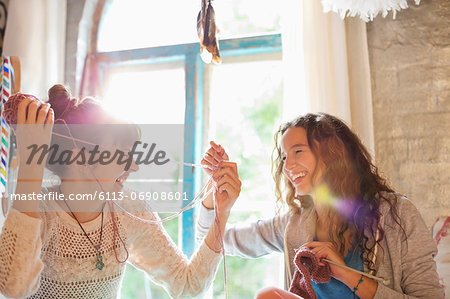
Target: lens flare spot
343,206
323,195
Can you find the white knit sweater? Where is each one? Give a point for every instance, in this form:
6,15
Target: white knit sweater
52,258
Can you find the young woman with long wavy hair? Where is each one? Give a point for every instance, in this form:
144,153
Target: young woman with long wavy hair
342,210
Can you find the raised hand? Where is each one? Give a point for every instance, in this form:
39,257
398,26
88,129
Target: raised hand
228,186
213,156
210,162
34,126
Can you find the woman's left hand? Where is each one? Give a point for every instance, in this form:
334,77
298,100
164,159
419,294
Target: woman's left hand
328,250
228,186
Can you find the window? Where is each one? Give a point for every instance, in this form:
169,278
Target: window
156,103
245,109
155,75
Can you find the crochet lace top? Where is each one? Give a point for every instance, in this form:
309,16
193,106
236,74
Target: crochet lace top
52,258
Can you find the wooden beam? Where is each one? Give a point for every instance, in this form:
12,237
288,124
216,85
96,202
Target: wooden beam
15,63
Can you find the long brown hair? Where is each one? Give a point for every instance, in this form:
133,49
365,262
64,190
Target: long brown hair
348,173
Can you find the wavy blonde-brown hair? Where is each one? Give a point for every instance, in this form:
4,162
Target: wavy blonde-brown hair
348,173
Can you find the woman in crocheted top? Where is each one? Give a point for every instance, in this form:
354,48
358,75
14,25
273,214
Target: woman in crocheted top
342,210
78,249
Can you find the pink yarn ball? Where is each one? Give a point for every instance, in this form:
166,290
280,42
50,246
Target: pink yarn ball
12,106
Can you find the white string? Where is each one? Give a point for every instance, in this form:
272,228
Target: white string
188,164
191,205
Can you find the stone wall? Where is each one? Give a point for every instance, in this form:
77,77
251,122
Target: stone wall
410,73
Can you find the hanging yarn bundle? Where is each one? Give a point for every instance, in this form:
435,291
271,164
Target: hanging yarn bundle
206,30
12,106
366,9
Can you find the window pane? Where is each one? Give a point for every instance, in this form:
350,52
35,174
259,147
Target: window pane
132,24
244,18
148,96
246,101
245,105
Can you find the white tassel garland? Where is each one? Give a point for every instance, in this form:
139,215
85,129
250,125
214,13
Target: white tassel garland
366,9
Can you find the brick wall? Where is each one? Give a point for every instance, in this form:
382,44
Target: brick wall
410,73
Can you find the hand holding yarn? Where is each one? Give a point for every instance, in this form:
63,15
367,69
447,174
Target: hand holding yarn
34,121
308,268
210,163
228,186
328,250
10,112
213,156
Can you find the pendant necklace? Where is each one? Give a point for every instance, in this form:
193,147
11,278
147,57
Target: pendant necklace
99,265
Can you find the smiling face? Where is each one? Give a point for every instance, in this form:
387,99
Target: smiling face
299,162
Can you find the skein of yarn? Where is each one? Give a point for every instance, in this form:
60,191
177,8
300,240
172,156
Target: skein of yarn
308,268
12,106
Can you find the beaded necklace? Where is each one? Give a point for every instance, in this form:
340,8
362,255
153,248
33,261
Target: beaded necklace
99,265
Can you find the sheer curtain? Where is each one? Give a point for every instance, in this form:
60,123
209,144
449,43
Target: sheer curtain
326,66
